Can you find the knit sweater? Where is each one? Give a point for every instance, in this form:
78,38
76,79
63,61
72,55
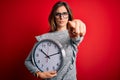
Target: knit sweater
68,70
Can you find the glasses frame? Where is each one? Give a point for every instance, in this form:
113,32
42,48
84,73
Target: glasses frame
63,14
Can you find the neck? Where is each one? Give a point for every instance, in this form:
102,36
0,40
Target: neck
61,28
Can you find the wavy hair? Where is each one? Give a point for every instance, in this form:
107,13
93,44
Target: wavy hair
51,18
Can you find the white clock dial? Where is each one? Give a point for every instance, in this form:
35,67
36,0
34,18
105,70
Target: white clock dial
48,56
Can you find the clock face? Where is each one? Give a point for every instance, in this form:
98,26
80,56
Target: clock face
47,56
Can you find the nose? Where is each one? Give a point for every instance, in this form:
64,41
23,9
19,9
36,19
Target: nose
61,16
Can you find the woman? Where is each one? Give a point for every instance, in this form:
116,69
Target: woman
69,32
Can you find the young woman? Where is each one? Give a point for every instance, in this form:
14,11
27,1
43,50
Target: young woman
69,32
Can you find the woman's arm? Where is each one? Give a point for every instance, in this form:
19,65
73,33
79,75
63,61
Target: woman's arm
36,72
77,30
30,65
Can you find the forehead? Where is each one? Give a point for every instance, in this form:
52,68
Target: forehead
61,9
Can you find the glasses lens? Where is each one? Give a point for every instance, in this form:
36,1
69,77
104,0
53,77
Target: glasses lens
64,14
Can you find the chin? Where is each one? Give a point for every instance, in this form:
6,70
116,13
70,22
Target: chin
62,25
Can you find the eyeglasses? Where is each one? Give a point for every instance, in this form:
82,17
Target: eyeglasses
59,15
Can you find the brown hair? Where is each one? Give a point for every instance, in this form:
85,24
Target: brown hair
51,18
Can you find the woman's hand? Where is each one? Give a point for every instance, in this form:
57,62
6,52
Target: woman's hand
76,28
44,75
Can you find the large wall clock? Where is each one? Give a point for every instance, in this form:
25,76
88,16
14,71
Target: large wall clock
48,55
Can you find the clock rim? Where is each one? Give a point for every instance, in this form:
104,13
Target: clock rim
59,46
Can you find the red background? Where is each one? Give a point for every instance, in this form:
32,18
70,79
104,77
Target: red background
98,57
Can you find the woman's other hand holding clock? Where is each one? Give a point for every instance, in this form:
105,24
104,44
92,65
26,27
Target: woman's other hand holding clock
44,75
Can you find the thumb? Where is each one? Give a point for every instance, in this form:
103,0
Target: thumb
53,72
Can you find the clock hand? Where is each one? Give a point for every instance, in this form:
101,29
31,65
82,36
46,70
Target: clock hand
53,54
45,54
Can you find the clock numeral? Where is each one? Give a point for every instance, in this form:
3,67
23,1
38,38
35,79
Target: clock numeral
58,64
39,49
43,45
53,68
38,61
42,65
49,44
37,55
55,46
47,68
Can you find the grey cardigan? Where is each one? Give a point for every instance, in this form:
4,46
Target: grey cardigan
68,70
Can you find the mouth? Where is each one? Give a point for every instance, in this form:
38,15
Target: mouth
61,22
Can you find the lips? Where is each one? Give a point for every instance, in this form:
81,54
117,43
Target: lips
61,22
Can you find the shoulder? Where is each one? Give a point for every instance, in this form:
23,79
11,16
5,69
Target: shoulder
56,35
49,35
43,36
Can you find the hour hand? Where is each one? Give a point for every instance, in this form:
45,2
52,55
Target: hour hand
45,54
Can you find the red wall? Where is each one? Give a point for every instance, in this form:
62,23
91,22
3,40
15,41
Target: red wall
98,57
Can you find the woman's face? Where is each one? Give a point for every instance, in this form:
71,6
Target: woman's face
61,17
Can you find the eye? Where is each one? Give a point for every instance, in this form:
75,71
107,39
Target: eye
65,13
57,14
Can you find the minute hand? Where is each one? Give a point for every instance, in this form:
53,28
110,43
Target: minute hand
54,54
